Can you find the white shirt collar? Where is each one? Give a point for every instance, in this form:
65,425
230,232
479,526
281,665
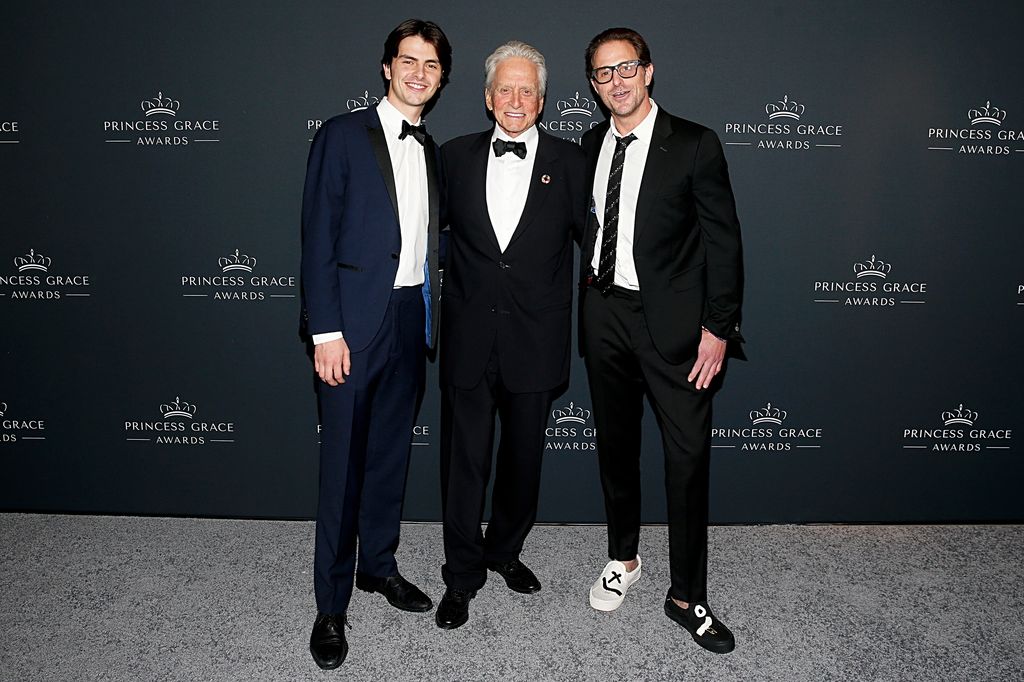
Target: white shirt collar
528,137
390,117
644,131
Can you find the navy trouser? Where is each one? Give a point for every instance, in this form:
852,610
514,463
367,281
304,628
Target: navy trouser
364,453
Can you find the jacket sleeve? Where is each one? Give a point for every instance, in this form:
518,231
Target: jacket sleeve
323,199
720,227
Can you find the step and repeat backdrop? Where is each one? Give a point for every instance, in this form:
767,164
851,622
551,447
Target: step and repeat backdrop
152,156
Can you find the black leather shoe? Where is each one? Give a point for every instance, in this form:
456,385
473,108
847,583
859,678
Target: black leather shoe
399,592
517,576
327,642
453,610
706,630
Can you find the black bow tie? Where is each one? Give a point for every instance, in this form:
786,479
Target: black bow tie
517,148
419,132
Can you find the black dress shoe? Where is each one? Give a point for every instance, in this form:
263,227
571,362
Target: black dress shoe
517,576
453,610
399,592
706,630
327,642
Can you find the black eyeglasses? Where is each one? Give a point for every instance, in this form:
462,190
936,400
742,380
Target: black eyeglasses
603,74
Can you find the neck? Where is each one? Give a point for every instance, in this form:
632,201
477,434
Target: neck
625,125
514,135
411,113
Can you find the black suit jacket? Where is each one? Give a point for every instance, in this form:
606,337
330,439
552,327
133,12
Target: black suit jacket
686,244
520,299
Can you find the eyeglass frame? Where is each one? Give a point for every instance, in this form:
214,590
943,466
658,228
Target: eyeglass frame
636,63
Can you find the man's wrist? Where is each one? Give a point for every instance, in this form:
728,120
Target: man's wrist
708,331
319,339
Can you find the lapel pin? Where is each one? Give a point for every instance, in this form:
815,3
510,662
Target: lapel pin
545,179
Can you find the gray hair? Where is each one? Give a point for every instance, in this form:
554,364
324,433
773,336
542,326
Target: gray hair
516,48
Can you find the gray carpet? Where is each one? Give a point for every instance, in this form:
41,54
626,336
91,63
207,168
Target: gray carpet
121,598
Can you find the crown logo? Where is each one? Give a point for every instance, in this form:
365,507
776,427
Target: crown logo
32,261
364,102
571,413
768,415
872,268
987,114
784,108
960,415
237,261
3,408
179,408
160,105
581,106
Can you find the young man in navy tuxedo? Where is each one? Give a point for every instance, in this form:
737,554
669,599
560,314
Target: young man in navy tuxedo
370,219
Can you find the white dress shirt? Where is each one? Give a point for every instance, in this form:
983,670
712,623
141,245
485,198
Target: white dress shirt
632,175
409,167
508,183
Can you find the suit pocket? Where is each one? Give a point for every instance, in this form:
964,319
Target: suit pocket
348,266
687,279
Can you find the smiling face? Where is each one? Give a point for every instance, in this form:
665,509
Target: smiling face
627,98
514,95
414,76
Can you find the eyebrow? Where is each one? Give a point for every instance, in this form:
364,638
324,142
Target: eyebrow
409,56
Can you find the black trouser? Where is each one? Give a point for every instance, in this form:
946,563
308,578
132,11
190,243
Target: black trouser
622,365
467,441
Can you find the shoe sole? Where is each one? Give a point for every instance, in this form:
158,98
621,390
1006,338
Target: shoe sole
724,648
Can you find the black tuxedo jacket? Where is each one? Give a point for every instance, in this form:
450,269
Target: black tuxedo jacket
686,244
520,299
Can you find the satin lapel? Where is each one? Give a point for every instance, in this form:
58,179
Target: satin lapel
659,160
380,150
479,154
434,210
543,167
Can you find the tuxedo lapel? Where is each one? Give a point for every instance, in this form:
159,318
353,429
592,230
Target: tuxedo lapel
537,193
380,152
659,161
479,155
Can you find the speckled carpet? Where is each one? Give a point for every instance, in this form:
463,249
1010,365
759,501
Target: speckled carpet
123,598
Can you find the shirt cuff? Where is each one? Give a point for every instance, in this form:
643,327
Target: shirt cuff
326,336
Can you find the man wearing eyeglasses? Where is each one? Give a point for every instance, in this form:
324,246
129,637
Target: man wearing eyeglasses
662,282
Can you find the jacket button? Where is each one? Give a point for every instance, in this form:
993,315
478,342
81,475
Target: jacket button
494,308
394,256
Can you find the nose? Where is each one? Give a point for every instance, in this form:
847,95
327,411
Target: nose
617,80
516,100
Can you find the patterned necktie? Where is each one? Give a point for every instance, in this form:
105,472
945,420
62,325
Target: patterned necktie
610,232
419,132
502,146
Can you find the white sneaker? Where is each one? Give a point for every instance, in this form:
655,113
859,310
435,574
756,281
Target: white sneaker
610,589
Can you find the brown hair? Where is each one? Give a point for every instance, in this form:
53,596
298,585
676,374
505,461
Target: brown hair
628,35
430,33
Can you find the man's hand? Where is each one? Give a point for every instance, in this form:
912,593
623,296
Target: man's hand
332,361
710,356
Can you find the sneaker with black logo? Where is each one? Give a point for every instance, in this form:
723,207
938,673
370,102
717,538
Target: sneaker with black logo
607,593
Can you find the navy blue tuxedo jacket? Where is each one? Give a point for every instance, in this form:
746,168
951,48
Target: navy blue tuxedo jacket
351,238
